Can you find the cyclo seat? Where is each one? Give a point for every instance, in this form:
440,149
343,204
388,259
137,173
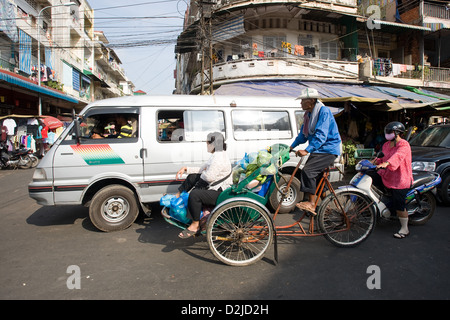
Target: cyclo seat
421,177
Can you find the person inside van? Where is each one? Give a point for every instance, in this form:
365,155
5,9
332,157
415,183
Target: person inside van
97,134
321,132
205,183
125,127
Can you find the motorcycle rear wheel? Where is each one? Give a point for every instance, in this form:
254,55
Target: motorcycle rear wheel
25,162
419,216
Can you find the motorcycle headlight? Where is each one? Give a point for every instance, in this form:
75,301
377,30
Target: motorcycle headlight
39,175
423,166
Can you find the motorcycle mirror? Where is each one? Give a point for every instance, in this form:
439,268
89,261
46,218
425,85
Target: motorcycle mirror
380,154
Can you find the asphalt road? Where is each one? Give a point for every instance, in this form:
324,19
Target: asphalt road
44,249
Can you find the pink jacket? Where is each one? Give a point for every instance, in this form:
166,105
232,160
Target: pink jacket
398,175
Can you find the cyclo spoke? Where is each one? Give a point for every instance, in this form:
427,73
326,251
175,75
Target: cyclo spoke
238,233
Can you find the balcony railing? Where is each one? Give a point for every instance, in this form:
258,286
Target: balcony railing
281,68
436,11
385,68
437,74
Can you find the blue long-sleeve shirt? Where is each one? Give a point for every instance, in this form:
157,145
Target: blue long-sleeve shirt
326,138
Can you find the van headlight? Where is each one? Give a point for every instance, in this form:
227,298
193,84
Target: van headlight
39,175
423,166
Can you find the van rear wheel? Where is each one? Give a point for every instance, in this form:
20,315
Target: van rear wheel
113,208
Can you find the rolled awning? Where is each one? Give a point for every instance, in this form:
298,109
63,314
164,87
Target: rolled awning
398,25
25,83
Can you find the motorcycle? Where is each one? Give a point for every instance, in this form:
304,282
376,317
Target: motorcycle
420,201
21,158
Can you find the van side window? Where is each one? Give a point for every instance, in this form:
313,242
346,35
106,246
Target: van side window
299,119
170,126
198,124
261,125
112,126
189,125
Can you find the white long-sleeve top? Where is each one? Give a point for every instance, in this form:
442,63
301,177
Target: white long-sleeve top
217,167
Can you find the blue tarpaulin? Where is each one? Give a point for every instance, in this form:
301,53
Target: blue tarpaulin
329,91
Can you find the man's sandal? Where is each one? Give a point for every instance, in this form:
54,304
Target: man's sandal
306,207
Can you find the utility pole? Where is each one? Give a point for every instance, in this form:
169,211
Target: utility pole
206,48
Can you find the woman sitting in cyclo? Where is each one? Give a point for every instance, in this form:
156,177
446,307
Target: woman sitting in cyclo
207,182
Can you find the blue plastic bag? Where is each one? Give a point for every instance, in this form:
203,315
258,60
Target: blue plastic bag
177,206
165,200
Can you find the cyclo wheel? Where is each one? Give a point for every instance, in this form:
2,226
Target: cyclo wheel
350,231
239,231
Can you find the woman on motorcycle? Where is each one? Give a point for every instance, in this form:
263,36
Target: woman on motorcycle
397,175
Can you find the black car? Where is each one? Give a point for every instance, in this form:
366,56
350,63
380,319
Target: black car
431,152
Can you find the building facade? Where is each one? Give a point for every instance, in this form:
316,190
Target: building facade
76,66
402,43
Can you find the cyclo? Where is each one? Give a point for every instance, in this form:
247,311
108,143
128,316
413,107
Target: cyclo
240,229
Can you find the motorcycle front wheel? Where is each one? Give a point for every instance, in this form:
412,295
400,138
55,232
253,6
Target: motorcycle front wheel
419,212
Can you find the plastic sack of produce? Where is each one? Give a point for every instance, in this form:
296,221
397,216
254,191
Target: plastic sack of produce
264,157
177,206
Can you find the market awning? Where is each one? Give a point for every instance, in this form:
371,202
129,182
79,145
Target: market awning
23,82
378,97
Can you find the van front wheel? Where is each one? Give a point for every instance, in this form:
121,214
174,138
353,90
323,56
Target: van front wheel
113,208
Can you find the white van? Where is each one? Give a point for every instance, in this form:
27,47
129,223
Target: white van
118,177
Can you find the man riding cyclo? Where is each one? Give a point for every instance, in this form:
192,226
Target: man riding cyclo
320,130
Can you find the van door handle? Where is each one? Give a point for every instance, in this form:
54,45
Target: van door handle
143,153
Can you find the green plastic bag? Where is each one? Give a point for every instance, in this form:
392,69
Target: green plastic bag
264,157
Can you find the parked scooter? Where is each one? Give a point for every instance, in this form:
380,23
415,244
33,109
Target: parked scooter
22,158
420,201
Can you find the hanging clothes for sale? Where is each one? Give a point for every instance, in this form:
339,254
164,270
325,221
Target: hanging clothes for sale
11,125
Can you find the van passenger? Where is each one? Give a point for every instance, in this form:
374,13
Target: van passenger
126,130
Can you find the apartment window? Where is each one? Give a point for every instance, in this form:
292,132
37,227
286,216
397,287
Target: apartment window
305,41
329,50
272,45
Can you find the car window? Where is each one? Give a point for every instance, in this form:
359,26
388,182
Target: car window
433,137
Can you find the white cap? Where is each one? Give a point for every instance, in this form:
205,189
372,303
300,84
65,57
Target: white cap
309,93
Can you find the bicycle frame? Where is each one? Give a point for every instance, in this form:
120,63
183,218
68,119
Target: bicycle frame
287,230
